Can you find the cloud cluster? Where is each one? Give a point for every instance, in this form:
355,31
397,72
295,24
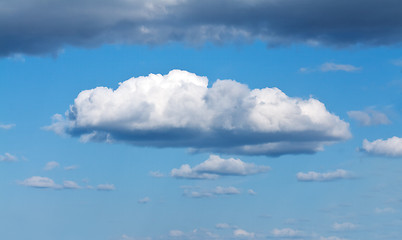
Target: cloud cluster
47,26
215,166
391,147
7,157
179,110
321,177
45,182
369,117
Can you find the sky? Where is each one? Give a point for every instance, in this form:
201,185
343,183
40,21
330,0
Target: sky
183,119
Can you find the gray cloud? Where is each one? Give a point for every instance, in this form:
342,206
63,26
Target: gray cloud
46,26
179,110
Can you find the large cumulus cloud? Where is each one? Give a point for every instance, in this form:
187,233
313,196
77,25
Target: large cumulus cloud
179,110
46,26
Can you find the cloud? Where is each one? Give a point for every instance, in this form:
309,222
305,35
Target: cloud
215,166
286,232
240,233
156,174
105,187
72,167
179,110
384,210
144,200
251,192
51,165
216,192
176,233
369,117
70,185
7,157
331,67
6,126
90,23
40,182
391,147
322,177
223,226
332,238
344,226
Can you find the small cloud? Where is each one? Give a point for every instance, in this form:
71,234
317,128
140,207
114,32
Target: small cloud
240,233
330,67
222,226
216,192
215,166
40,182
6,126
369,117
322,177
144,200
384,210
105,187
72,167
251,192
286,233
70,185
7,157
391,147
156,174
226,191
344,226
51,165
176,233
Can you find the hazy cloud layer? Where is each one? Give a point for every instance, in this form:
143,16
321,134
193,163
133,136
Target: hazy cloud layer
322,177
369,117
391,147
215,166
179,110
46,26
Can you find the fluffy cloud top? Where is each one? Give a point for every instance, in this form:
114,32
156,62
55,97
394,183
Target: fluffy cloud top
90,23
7,157
391,147
321,177
369,117
179,110
215,166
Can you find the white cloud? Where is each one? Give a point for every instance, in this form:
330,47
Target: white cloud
179,110
240,233
105,187
344,226
369,117
176,233
222,226
40,182
215,166
70,185
327,67
51,165
156,174
7,157
321,177
391,147
6,126
251,192
286,232
384,210
212,193
72,167
332,238
144,200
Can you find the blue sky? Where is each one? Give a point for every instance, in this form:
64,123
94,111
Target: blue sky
315,154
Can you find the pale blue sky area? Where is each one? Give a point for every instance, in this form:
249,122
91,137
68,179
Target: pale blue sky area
105,173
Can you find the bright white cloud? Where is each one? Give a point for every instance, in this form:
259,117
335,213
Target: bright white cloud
70,185
344,226
286,232
144,200
321,177
176,233
40,182
179,110
369,117
240,233
6,126
391,147
7,157
215,166
105,187
327,67
51,165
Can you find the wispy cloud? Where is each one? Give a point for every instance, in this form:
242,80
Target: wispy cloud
345,226
212,193
286,233
369,117
51,165
322,177
331,67
105,187
384,210
144,200
156,174
6,126
7,157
